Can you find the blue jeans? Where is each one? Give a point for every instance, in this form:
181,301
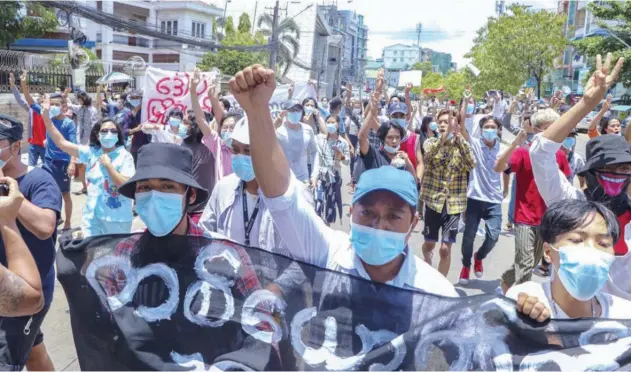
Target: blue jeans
36,153
512,202
492,214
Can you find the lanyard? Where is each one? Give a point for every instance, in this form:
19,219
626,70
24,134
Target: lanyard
248,223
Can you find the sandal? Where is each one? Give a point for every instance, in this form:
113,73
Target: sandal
80,192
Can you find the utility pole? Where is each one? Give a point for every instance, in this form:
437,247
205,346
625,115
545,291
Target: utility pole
274,38
254,18
419,41
500,7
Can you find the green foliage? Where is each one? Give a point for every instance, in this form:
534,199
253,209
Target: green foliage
454,83
591,46
229,27
425,67
229,62
18,24
432,80
244,23
516,46
288,45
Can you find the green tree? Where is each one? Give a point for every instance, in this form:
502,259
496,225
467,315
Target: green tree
288,45
591,46
425,67
229,27
244,23
24,19
432,80
454,83
229,62
516,46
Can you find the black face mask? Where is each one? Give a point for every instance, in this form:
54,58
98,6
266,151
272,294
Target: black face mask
594,191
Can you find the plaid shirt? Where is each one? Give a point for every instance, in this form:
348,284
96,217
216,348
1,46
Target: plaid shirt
445,174
244,285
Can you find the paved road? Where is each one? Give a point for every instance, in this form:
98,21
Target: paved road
58,335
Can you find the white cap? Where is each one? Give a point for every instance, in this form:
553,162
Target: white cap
241,133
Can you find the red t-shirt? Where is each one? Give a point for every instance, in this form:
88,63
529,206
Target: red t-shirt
38,130
530,206
409,148
621,247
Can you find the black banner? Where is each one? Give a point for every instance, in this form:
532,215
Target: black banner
184,303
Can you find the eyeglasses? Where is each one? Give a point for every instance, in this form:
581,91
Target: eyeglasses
105,131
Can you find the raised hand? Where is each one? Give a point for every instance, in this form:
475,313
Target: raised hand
24,77
45,104
11,80
601,80
407,89
66,91
195,80
520,138
253,87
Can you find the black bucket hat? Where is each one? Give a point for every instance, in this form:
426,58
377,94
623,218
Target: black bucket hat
167,161
606,150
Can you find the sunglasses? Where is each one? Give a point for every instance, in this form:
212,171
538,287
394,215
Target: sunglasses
106,131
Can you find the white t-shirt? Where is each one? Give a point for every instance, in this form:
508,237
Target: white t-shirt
163,135
499,109
313,242
298,144
612,307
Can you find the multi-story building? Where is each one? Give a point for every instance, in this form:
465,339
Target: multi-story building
400,54
370,72
441,62
363,39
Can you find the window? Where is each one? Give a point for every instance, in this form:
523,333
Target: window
169,27
197,29
401,59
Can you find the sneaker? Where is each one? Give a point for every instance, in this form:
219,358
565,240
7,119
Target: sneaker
464,277
478,268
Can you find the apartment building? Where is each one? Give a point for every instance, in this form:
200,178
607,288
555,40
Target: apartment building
400,54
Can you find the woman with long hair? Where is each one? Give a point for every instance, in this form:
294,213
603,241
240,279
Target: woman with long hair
109,165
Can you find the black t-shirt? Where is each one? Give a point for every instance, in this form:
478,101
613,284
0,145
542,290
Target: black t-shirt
372,159
39,188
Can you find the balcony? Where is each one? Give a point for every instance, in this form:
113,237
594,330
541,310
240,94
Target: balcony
134,41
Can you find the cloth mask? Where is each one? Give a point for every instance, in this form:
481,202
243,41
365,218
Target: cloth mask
174,122
293,117
376,247
490,134
390,149
332,128
433,126
108,140
568,143
2,162
583,270
160,211
602,190
183,131
242,166
54,111
400,122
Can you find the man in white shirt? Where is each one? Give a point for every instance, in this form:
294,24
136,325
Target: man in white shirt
297,140
607,170
382,214
500,106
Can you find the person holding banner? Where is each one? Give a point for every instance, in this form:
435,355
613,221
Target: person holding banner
382,213
109,165
579,238
218,143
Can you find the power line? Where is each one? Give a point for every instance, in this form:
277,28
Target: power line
111,20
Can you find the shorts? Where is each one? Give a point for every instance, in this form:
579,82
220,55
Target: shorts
448,223
59,170
20,334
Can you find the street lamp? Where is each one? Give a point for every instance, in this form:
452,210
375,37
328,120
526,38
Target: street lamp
225,8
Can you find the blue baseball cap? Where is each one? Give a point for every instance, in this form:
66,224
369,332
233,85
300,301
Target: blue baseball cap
397,107
400,182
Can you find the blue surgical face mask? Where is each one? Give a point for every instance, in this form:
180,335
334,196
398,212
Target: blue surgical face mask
490,134
134,102
108,140
160,211
332,128
568,143
242,166
3,162
391,149
469,109
54,111
183,131
227,137
174,122
308,110
433,126
376,247
583,270
294,117
400,122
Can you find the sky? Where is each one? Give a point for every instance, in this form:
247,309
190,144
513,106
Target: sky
448,26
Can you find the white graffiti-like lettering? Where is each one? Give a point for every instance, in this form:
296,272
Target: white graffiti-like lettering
250,320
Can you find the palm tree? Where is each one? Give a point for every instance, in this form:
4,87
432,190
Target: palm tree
288,45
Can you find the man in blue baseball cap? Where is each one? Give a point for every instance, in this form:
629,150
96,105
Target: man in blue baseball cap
382,212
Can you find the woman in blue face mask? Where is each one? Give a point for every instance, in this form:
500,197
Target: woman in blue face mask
312,116
171,132
108,166
579,239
